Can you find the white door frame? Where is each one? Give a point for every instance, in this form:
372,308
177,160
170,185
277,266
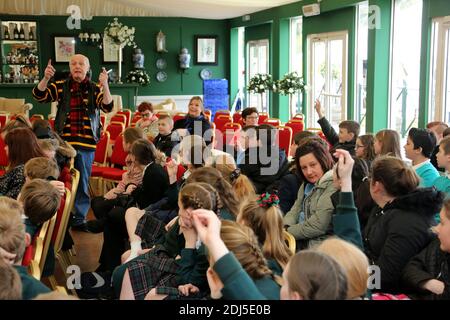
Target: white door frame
441,67
329,36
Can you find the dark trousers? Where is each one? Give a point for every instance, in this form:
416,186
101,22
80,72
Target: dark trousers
101,207
115,239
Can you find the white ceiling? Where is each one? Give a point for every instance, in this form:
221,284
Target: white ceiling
203,9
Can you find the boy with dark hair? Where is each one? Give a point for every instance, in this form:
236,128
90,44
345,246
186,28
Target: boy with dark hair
348,132
418,148
250,116
443,159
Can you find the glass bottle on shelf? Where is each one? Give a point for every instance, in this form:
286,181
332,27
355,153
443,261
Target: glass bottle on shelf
16,32
21,33
6,33
32,33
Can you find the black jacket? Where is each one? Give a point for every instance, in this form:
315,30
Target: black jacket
191,124
431,263
288,190
263,181
399,231
164,144
333,138
154,186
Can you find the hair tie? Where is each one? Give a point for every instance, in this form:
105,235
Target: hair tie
235,174
267,200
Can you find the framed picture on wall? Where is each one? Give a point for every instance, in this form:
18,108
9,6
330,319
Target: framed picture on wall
206,49
110,50
64,48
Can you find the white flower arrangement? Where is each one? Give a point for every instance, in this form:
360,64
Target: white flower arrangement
138,76
120,34
260,83
290,84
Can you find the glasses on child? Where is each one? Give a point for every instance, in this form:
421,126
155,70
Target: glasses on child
145,114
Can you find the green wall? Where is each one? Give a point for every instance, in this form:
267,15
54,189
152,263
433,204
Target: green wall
179,33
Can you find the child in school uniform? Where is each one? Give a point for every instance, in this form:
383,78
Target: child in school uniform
443,159
13,240
163,141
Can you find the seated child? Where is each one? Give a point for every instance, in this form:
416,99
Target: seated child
10,284
43,168
14,240
40,201
443,159
163,141
418,148
348,132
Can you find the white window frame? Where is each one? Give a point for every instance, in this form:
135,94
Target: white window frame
329,36
248,71
443,25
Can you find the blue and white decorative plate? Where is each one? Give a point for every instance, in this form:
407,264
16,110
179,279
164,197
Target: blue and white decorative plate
206,74
161,76
161,64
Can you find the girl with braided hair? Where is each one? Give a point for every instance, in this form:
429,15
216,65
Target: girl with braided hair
242,186
241,240
177,258
264,217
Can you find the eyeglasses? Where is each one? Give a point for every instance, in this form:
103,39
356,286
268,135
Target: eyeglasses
249,117
145,114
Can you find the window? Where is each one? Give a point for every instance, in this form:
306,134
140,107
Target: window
439,106
405,65
296,59
361,64
257,62
328,76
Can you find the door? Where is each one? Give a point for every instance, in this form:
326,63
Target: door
328,76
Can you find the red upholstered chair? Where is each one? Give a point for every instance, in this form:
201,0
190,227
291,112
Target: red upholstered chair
118,156
285,139
100,158
229,133
178,116
115,129
263,116
272,121
51,122
295,125
4,118
221,120
127,114
135,119
299,116
119,118
103,120
4,161
237,117
41,247
221,113
320,134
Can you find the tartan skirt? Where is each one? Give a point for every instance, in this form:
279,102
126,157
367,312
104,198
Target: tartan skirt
150,230
150,270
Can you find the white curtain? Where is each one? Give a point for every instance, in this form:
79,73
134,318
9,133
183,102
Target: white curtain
207,9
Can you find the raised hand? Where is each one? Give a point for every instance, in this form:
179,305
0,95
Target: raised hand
49,70
103,78
318,108
344,169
